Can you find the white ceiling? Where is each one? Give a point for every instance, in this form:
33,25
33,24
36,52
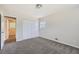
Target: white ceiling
29,10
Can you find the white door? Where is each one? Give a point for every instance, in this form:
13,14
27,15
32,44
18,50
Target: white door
2,32
30,29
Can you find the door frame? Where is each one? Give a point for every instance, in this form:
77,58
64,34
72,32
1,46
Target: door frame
2,28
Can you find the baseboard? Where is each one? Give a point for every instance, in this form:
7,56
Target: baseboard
28,38
61,43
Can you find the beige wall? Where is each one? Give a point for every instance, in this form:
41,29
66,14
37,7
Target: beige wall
64,26
22,28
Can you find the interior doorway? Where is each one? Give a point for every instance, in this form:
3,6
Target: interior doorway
10,29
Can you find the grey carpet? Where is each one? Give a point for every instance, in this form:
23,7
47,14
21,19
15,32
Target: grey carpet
38,46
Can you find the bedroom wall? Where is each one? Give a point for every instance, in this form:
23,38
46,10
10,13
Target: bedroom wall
30,28
26,28
62,27
19,34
